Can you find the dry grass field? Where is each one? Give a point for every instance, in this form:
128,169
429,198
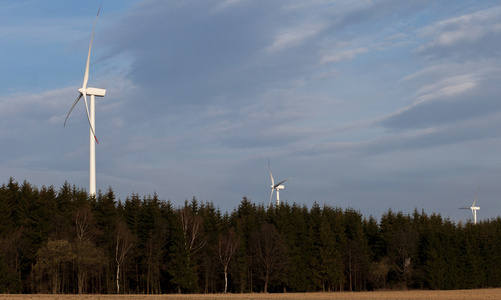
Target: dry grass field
458,294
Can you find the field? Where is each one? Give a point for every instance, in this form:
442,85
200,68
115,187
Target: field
457,294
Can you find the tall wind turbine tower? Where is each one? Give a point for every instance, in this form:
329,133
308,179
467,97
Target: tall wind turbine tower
276,187
92,92
473,207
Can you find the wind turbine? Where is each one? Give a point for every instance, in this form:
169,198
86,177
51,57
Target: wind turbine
274,186
92,92
473,207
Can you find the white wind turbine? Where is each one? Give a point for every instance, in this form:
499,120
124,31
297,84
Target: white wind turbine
93,92
274,186
473,207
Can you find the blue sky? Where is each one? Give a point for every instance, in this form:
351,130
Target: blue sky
370,105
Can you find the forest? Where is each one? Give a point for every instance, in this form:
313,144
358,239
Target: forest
63,241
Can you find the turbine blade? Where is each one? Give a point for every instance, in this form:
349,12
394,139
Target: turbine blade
88,117
271,176
71,109
86,76
282,182
271,196
474,200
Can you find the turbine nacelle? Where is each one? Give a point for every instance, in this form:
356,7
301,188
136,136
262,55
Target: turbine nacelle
92,91
473,207
276,187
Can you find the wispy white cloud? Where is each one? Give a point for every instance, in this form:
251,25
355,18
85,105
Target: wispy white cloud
445,89
221,6
292,37
21,104
463,29
343,56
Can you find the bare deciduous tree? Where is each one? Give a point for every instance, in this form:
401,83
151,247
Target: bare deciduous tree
226,247
378,271
269,254
89,257
192,229
400,248
123,243
84,223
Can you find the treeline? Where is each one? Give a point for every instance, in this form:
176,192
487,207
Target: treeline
63,241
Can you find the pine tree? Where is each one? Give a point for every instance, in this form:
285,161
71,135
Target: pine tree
179,268
244,220
357,253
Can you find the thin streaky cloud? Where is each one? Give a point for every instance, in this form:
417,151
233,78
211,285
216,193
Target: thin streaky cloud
343,56
466,28
292,37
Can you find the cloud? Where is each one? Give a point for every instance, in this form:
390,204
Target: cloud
196,57
223,5
200,94
343,56
292,37
447,93
470,35
474,131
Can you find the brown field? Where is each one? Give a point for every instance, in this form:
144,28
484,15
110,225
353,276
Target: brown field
458,294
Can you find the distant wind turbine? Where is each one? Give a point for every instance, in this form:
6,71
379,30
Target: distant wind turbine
473,207
274,186
83,92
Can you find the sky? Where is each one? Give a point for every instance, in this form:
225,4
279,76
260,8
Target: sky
369,105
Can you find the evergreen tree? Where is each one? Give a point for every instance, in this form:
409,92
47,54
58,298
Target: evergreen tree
244,220
357,253
207,258
61,240
331,259
299,245
180,270
106,215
